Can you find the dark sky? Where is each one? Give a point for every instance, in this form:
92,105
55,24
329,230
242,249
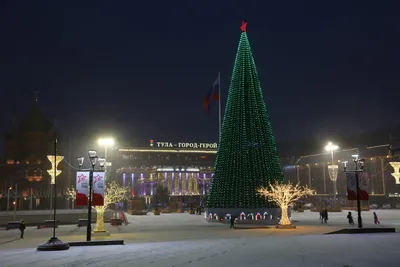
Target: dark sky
141,69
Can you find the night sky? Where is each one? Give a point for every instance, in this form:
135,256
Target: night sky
139,70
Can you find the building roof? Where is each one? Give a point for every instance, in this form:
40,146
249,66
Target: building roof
35,121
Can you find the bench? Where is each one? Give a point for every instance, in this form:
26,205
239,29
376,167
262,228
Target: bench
82,222
48,224
13,225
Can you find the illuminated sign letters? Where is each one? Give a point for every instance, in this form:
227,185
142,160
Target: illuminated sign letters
184,145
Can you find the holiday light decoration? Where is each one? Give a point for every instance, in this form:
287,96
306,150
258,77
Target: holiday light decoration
396,168
284,195
54,164
333,171
247,156
71,193
113,193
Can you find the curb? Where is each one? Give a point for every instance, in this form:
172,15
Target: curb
363,231
96,243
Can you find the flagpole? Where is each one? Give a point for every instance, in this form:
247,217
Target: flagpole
219,104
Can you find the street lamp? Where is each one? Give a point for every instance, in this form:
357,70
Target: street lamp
333,172
93,160
359,163
106,142
54,243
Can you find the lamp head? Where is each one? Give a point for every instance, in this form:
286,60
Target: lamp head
362,163
102,162
92,153
80,161
331,147
106,141
344,165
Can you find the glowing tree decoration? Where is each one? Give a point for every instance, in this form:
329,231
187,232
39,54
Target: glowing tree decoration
71,194
284,195
113,193
54,160
247,157
396,168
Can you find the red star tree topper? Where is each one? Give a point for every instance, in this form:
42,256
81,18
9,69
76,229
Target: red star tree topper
244,26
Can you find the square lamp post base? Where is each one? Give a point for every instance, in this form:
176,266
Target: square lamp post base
54,244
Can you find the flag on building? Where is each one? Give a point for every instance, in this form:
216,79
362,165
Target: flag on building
213,94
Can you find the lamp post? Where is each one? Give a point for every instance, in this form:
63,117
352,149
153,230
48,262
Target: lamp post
54,243
106,142
54,172
333,170
359,163
93,160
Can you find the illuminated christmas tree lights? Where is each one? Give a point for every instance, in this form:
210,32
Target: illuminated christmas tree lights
247,157
284,195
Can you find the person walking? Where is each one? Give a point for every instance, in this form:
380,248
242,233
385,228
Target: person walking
22,228
376,220
325,216
350,218
232,221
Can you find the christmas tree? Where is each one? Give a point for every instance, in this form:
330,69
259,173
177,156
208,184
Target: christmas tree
247,157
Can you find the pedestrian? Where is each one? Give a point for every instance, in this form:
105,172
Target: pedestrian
376,220
232,221
350,218
22,228
325,216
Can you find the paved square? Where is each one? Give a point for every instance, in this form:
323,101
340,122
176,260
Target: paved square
188,240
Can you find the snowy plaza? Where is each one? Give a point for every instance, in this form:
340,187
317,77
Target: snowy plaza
188,240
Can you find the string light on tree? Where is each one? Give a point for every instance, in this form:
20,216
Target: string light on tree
113,193
284,195
247,155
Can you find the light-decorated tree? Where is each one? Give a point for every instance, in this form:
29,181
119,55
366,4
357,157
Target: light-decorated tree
284,195
113,193
247,156
71,194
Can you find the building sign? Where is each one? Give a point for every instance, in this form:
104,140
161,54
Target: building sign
396,195
98,189
183,145
82,188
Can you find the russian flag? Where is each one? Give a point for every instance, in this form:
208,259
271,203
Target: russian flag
213,94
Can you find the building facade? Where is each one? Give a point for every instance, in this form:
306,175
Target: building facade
186,169
312,171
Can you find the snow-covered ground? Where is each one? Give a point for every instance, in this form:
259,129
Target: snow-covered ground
307,251
188,240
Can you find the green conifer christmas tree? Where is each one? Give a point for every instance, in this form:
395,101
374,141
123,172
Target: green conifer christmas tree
247,155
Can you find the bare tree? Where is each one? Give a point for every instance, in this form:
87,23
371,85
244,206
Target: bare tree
284,195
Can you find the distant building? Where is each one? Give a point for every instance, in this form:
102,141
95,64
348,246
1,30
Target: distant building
186,169
312,170
25,162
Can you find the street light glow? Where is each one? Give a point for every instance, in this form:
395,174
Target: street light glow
106,141
331,147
